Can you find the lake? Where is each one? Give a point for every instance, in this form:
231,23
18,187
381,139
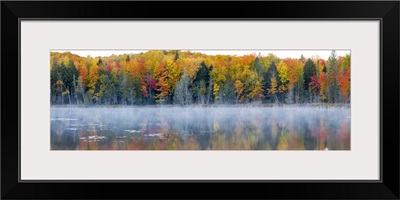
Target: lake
200,128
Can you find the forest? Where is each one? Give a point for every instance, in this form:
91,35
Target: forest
189,78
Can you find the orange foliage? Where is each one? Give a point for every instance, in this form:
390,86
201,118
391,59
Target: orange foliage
294,68
138,70
344,84
161,74
314,83
83,72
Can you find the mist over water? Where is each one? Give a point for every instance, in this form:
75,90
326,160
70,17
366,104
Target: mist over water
200,128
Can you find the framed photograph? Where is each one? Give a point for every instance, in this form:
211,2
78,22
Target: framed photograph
298,96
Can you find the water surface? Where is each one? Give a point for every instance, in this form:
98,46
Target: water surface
200,128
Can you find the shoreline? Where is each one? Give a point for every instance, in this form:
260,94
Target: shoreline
317,105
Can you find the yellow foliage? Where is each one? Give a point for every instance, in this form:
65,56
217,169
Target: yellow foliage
191,65
274,84
283,141
173,74
283,72
256,92
239,88
216,90
66,60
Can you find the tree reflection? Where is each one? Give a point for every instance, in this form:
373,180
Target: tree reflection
202,130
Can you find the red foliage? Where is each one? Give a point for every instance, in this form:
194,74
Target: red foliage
151,82
322,78
109,66
118,65
344,84
314,83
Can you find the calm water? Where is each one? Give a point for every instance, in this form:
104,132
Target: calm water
200,128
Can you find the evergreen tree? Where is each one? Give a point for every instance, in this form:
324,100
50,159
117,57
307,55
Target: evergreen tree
308,71
302,58
227,92
137,91
100,62
104,93
54,73
332,71
272,73
259,66
176,55
122,80
127,89
201,83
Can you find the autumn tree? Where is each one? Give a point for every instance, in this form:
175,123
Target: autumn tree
272,74
283,73
344,79
314,86
201,83
322,85
332,90
139,81
295,90
239,91
255,87
273,90
168,76
219,77
160,73
344,84
173,74
182,93
151,87
93,79
308,71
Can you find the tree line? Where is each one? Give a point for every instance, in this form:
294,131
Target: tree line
185,78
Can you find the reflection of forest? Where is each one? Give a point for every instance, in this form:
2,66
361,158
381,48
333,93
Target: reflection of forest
243,131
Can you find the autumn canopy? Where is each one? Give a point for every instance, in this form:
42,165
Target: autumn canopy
186,78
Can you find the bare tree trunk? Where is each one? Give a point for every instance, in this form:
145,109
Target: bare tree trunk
83,95
69,97
149,92
75,95
297,95
81,88
62,96
209,90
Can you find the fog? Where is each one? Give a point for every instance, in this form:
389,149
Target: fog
200,128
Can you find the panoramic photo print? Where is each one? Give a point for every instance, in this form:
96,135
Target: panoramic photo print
200,100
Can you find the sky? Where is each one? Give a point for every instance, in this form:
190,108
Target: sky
324,54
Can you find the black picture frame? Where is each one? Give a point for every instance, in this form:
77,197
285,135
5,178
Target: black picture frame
386,11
